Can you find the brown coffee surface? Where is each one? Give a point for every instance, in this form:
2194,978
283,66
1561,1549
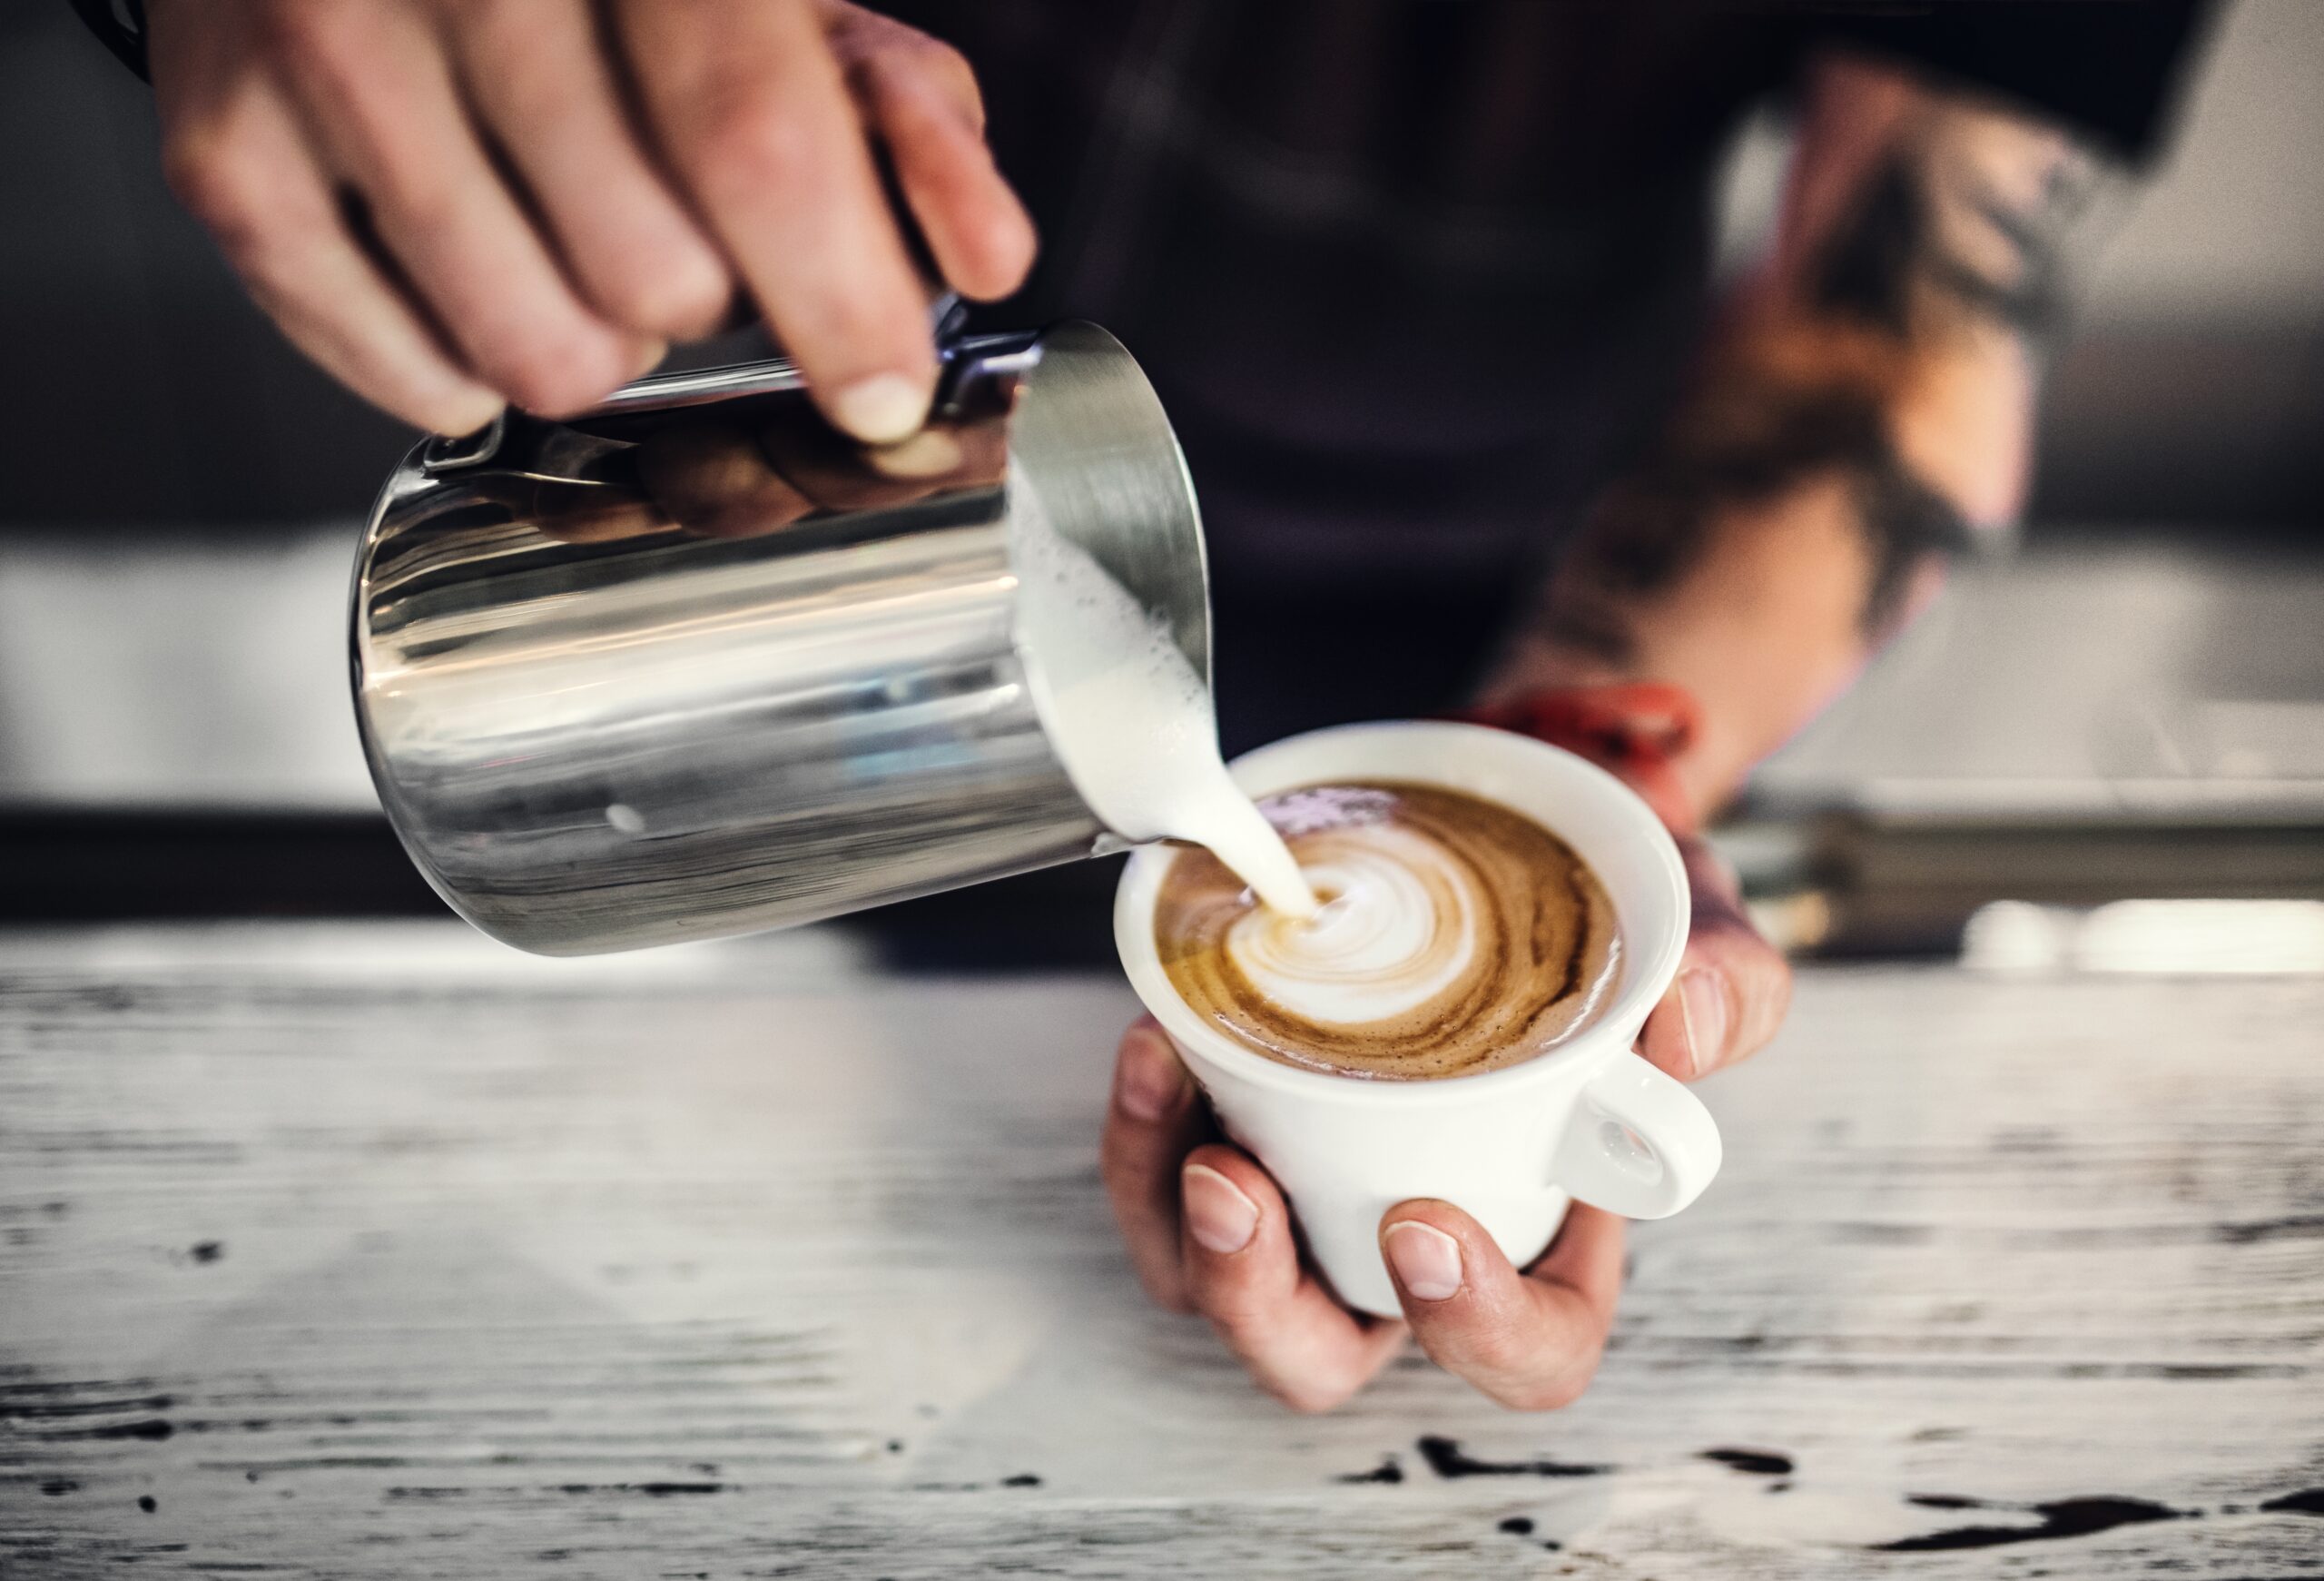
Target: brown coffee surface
1456,936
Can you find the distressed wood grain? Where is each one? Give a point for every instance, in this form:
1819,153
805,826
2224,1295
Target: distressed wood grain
359,1252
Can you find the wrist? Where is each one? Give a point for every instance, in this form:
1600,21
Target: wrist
1639,731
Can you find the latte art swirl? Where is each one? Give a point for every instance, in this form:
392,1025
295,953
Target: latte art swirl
1455,936
1395,933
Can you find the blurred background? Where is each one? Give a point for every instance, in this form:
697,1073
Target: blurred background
2106,744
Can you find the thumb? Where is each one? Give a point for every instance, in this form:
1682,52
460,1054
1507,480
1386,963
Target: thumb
1732,988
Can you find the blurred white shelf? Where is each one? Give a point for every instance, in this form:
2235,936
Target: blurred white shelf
178,672
2095,684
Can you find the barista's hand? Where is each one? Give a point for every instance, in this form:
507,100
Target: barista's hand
453,204
1208,1232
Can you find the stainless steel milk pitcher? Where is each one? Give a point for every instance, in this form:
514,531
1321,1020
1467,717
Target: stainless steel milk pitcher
694,664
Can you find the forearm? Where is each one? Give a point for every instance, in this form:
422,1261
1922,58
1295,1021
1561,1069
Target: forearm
1864,407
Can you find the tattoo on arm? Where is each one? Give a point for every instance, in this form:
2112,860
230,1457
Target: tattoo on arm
1961,229
1649,528
1969,212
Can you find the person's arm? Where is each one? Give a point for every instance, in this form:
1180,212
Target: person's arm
455,205
1864,407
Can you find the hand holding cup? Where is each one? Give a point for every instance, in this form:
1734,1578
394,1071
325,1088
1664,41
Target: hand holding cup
1209,1230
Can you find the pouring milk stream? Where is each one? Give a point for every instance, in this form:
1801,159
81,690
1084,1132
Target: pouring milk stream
1130,718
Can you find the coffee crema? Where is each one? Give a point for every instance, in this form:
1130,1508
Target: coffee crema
1455,936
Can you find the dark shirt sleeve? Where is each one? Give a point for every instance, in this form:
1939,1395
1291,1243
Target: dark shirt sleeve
120,27
2110,69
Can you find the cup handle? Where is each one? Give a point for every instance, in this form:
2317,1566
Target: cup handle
1639,1144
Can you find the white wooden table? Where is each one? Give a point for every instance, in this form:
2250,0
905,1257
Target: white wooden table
356,1252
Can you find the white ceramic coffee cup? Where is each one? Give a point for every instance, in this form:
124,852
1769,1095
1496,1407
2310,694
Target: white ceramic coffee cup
1513,1147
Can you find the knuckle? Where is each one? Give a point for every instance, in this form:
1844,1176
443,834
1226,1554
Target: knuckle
1125,1153
494,38
237,197
303,37
1236,1165
881,318
212,174
1774,1003
1166,1293
374,116
1216,1155
1715,916
1762,985
1531,1397
426,202
1553,1391
1117,1167
1773,985
867,42
951,70
743,137
671,296
918,95
509,27
1500,1353
932,52
998,263
1238,1318
1308,1397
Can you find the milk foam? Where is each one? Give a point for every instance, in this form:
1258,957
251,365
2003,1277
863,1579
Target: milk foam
1128,715
1399,928
1455,936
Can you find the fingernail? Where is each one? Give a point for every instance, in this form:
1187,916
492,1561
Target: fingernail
1218,1216
927,454
649,357
1702,1002
1427,1260
880,409
468,410
1149,1082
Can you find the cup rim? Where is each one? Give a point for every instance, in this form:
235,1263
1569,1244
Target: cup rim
1645,974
